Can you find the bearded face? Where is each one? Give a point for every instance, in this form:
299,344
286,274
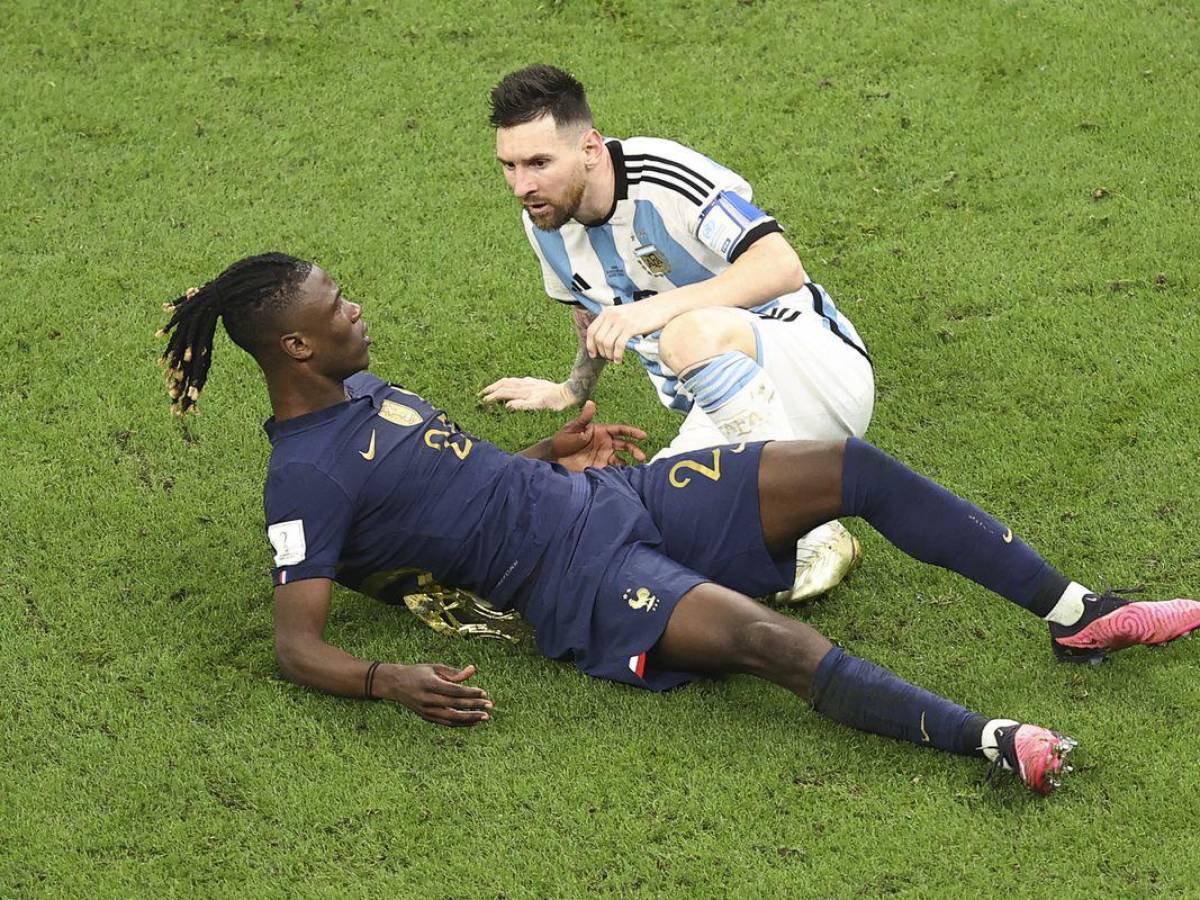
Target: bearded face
545,165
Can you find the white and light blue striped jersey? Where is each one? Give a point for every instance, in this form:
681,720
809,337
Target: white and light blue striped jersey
677,218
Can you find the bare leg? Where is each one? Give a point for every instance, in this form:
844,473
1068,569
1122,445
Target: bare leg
715,630
799,488
718,631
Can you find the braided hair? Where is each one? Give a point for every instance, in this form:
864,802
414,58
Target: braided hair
248,296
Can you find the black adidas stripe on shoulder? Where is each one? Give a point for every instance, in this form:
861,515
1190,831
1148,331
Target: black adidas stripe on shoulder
674,164
662,182
655,168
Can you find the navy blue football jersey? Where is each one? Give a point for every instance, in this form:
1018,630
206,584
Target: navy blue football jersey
370,491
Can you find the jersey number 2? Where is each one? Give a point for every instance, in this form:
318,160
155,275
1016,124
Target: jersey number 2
712,473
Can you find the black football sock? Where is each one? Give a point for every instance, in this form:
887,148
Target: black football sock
868,697
931,524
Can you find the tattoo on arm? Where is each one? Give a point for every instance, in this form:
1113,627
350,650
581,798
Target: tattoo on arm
586,371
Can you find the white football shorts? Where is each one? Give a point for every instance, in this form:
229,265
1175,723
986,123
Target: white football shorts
827,386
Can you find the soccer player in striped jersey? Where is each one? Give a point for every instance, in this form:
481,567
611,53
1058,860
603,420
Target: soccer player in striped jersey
661,252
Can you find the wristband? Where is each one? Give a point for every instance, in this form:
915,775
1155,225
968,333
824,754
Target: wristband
370,680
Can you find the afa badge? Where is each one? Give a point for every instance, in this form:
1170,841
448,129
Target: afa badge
653,260
399,414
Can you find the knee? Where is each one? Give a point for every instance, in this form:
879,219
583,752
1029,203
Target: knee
775,648
701,334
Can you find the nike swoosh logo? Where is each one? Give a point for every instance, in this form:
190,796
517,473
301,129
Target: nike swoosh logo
924,733
369,453
1008,536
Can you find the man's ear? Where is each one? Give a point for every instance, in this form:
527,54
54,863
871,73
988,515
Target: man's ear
296,346
592,144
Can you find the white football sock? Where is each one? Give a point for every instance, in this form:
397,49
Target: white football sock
1069,608
739,397
988,744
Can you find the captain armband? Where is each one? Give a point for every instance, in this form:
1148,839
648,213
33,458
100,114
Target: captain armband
729,224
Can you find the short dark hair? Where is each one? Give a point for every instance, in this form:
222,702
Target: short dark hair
249,296
530,93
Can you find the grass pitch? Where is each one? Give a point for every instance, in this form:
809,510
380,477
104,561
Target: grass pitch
1000,195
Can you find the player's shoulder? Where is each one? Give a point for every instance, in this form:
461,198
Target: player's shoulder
362,383
655,167
663,151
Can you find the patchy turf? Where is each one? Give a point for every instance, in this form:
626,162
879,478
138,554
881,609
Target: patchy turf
1001,196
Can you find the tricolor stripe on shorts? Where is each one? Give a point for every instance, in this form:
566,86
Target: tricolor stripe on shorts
637,664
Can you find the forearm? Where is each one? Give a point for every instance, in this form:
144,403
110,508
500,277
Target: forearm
319,665
586,371
584,375
543,449
768,269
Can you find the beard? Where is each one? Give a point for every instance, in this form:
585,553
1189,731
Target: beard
558,214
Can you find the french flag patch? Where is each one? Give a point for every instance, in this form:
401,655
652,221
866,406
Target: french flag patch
637,664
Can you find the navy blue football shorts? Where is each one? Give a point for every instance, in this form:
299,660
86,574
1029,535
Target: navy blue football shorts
603,594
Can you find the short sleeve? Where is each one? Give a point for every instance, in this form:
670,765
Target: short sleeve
308,517
729,223
714,203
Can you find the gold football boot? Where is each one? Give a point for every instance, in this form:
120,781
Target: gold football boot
460,613
824,556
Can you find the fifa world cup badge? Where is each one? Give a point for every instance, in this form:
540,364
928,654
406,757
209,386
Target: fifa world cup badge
652,259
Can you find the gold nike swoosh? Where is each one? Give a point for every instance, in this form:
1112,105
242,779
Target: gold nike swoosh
924,733
369,453
1008,536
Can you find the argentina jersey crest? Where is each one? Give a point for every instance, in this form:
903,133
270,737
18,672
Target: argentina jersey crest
651,258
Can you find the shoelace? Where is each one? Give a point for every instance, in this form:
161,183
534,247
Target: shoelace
1140,589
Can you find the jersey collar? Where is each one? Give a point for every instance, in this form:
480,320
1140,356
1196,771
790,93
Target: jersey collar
621,180
277,431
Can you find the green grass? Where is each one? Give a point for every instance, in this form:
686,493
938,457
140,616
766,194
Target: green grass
1001,195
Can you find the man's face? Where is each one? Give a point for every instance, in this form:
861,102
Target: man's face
545,166
332,327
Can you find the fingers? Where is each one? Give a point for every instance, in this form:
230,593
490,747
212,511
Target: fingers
447,702
522,404
458,692
605,338
453,718
627,431
518,389
504,389
589,339
455,675
632,449
585,416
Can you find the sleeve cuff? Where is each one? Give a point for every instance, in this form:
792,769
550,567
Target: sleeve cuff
292,574
762,229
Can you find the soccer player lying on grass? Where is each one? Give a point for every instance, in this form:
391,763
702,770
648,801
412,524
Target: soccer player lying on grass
639,574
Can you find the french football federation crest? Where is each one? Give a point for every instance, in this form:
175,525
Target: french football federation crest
652,259
640,599
399,414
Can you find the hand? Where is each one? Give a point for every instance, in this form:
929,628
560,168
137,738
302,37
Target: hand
613,328
435,693
528,393
580,444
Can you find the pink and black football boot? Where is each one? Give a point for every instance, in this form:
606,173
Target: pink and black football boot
1036,754
1111,623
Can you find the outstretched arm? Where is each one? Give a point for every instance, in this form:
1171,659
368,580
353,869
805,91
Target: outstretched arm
536,393
581,444
433,691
